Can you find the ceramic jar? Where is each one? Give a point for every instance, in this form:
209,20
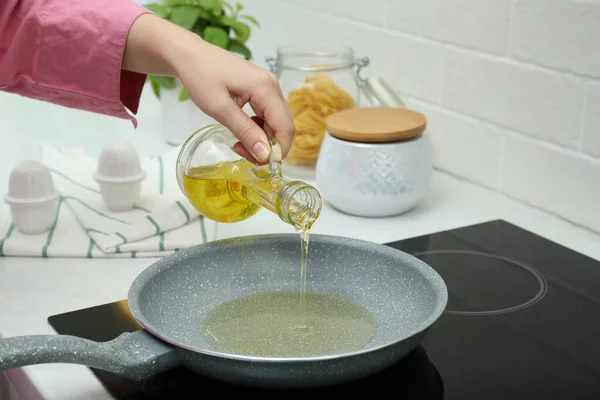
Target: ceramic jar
374,162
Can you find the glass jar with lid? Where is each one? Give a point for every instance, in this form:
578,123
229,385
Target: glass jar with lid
316,83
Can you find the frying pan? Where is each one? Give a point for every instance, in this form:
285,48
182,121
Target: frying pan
171,298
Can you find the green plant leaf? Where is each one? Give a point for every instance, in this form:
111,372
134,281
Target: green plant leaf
206,15
251,19
183,95
241,30
154,86
198,29
226,5
185,16
166,82
212,5
235,46
216,36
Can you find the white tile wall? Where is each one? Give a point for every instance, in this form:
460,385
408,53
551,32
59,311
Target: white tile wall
413,16
511,87
550,178
591,135
558,34
464,146
414,66
485,25
371,11
536,102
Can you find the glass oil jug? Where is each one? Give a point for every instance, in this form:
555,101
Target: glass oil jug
225,187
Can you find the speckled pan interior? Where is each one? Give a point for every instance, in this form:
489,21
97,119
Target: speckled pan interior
172,297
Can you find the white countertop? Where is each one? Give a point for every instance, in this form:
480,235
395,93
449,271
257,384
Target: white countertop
31,289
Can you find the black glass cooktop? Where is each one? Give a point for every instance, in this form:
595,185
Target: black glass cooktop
522,322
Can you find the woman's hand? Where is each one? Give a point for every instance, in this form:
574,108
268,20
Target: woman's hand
219,82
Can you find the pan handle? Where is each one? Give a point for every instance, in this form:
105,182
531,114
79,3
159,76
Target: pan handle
137,356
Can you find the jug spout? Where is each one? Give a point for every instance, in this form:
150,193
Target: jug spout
300,205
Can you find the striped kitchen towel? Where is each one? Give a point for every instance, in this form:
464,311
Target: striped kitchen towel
162,222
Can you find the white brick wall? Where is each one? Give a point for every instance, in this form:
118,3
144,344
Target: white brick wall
558,34
591,133
371,11
526,99
451,134
484,26
511,87
559,181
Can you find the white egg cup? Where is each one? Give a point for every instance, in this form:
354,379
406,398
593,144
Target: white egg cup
120,194
119,176
32,198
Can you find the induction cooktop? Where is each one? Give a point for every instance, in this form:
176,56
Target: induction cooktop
522,322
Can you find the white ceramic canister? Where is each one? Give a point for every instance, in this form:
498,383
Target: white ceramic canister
374,162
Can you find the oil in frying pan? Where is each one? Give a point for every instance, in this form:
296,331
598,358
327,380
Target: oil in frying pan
266,325
282,324
290,324
234,191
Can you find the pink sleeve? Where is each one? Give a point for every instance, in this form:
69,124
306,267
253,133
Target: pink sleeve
69,52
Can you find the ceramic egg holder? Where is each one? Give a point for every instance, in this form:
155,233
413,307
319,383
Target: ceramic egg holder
32,197
120,176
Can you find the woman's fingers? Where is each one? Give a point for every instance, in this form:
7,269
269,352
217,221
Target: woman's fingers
244,128
282,127
221,83
241,150
268,103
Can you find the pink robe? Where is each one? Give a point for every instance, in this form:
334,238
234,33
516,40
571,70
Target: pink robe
69,52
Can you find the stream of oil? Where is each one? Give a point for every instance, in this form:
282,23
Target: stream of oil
304,241
289,324
293,323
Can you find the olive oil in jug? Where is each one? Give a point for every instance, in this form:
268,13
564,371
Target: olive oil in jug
227,188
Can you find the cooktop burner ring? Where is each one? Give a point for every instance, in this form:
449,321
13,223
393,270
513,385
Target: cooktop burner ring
542,282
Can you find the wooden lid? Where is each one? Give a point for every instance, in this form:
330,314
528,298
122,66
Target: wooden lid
376,124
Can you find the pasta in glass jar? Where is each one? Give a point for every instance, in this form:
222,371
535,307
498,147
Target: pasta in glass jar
316,83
